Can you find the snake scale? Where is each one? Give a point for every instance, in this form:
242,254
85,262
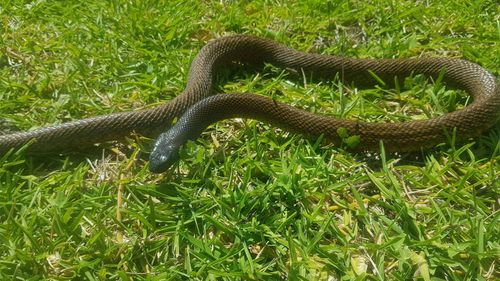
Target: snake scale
199,107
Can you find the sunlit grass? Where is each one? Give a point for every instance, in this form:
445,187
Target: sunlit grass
247,201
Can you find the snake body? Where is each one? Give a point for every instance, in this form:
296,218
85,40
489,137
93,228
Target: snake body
202,107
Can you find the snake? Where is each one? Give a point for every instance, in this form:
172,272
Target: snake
200,105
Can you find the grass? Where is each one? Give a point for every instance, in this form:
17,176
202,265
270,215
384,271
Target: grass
247,201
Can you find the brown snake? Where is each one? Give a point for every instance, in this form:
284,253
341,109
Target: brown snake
478,116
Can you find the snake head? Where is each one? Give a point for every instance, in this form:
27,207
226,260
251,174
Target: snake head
165,152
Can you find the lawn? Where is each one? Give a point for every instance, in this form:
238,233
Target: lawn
247,201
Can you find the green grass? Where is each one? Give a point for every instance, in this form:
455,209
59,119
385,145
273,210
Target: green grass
247,201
